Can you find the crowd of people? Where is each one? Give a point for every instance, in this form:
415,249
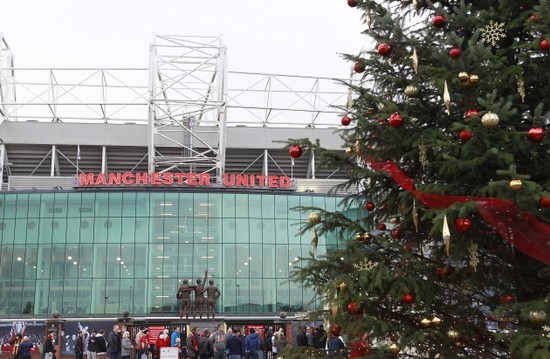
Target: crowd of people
234,343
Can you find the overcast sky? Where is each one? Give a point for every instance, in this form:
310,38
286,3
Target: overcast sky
296,37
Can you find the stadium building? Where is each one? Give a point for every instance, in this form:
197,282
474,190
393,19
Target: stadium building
119,183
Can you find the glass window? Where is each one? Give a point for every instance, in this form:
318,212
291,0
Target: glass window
242,230
241,205
228,205
268,206
142,204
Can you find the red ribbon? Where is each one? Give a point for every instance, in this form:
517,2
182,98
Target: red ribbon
521,229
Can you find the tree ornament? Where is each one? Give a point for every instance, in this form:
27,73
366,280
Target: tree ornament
365,265
521,87
349,151
295,151
423,156
394,349
446,235
384,49
345,120
471,113
462,225
516,184
545,45
396,233
534,18
411,91
473,256
415,216
414,58
395,220
408,298
314,218
535,134
359,66
370,206
493,32
363,237
453,335
436,321
447,98
382,226
463,76
354,308
425,323
537,316
396,120
490,120
455,53
544,202
352,3
506,299
361,348
438,21
465,135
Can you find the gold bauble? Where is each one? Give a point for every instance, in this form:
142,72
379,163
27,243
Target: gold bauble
466,84
314,218
394,349
395,220
436,321
516,185
537,316
473,79
490,120
463,76
411,91
453,335
363,237
349,151
424,323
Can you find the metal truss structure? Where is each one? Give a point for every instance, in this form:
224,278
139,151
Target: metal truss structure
185,100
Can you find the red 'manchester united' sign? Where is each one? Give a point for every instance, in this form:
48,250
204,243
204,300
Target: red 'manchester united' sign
180,179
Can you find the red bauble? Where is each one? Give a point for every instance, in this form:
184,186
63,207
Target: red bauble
545,45
438,21
535,134
465,135
345,121
359,66
396,120
462,225
358,350
534,18
352,3
471,112
370,206
396,233
544,202
382,227
353,308
408,298
455,53
384,49
505,299
295,151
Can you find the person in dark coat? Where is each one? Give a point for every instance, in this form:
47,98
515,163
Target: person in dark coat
48,350
301,338
320,338
206,349
236,346
79,345
25,348
114,343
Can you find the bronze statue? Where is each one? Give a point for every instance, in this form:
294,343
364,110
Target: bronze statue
212,294
199,296
184,293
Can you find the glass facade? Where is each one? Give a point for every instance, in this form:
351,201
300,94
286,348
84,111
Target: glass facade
102,252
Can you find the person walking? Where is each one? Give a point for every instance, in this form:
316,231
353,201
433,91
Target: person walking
268,341
253,345
25,348
113,341
15,345
79,345
280,342
92,345
125,346
236,347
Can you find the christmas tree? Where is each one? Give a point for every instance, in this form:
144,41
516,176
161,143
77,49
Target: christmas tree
448,255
